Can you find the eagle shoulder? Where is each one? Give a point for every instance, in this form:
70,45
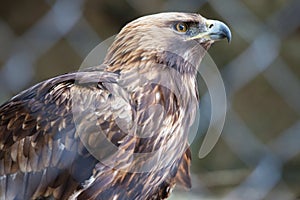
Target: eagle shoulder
39,140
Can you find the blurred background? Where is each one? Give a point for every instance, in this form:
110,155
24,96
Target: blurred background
258,154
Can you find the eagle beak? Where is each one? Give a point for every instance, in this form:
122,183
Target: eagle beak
215,30
218,30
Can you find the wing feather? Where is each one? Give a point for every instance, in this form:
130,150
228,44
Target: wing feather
40,149
183,174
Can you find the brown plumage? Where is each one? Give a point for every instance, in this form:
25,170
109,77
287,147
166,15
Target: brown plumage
114,131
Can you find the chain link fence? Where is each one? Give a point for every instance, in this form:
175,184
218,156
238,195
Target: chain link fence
258,155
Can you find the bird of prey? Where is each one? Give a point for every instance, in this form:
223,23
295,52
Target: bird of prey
115,131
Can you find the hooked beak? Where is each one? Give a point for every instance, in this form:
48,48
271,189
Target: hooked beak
216,30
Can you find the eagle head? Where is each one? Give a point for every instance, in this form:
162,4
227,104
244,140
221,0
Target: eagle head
168,37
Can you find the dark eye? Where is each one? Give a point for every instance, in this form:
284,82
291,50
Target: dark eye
181,27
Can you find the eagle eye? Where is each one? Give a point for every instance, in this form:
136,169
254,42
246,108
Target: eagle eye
181,27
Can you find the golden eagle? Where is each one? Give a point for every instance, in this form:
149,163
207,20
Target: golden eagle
114,131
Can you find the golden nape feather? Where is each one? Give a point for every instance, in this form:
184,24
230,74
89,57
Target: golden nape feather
114,131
